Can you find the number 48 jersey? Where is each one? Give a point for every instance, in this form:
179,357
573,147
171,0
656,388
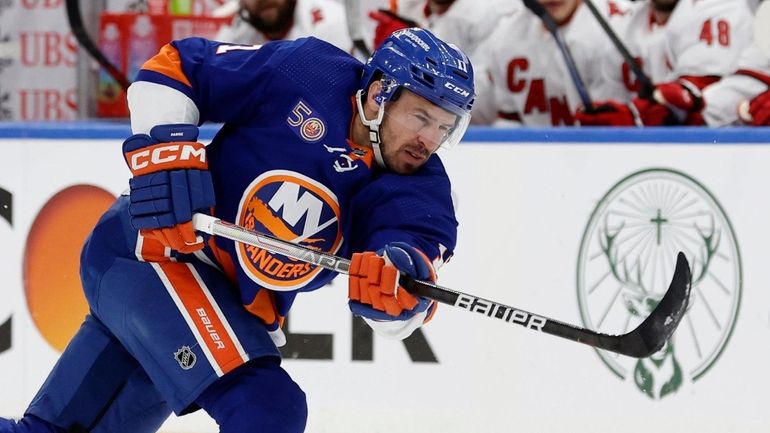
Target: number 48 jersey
702,39
284,163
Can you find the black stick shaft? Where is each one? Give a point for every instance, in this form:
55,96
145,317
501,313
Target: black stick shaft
647,87
79,31
642,341
553,28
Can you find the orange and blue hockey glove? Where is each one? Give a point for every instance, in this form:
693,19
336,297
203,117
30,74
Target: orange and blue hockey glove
374,291
170,182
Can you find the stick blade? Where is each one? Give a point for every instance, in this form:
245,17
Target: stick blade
650,336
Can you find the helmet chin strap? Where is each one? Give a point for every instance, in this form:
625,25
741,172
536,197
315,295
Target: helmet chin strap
374,128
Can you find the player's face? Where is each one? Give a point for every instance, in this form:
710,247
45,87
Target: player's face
560,10
412,129
270,14
664,5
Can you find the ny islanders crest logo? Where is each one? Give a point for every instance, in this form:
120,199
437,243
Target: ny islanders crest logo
291,207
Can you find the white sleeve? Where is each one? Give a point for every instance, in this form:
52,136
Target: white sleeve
153,104
723,97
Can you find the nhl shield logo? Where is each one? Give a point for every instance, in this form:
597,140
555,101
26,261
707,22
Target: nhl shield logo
185,357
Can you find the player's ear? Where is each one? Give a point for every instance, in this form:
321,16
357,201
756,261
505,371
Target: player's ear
373,99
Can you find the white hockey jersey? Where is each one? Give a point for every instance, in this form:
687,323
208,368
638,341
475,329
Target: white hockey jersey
701,38
529,76
466,23
324,19
723,98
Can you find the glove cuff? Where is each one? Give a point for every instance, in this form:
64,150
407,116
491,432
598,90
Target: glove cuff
167,156
695,93
409,260
167,147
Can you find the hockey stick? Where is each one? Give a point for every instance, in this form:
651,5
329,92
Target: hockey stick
353,15
79,31
646,339
553,28
647,87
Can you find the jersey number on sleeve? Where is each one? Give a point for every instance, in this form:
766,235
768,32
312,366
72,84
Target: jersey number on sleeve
722,32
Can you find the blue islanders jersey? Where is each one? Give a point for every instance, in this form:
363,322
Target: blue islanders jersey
284,164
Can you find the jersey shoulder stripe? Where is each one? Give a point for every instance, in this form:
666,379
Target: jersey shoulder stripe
167,62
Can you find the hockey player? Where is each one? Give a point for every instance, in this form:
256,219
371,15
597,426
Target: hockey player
528,73
743,98
260,21
465,23
316,148
683,46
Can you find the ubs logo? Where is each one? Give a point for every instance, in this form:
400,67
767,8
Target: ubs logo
291,207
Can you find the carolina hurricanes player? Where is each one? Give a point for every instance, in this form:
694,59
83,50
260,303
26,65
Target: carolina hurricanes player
528,73
464,23
743,97
260,21
316,148
683,46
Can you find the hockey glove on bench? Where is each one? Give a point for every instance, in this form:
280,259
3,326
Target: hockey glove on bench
756,112
171,181
374,289
673,104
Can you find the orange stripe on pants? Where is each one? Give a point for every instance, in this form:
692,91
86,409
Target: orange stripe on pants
208,324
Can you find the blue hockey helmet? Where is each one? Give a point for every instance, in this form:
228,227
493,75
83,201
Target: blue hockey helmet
416,60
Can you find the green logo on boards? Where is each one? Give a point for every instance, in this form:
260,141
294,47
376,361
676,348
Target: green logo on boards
626,260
